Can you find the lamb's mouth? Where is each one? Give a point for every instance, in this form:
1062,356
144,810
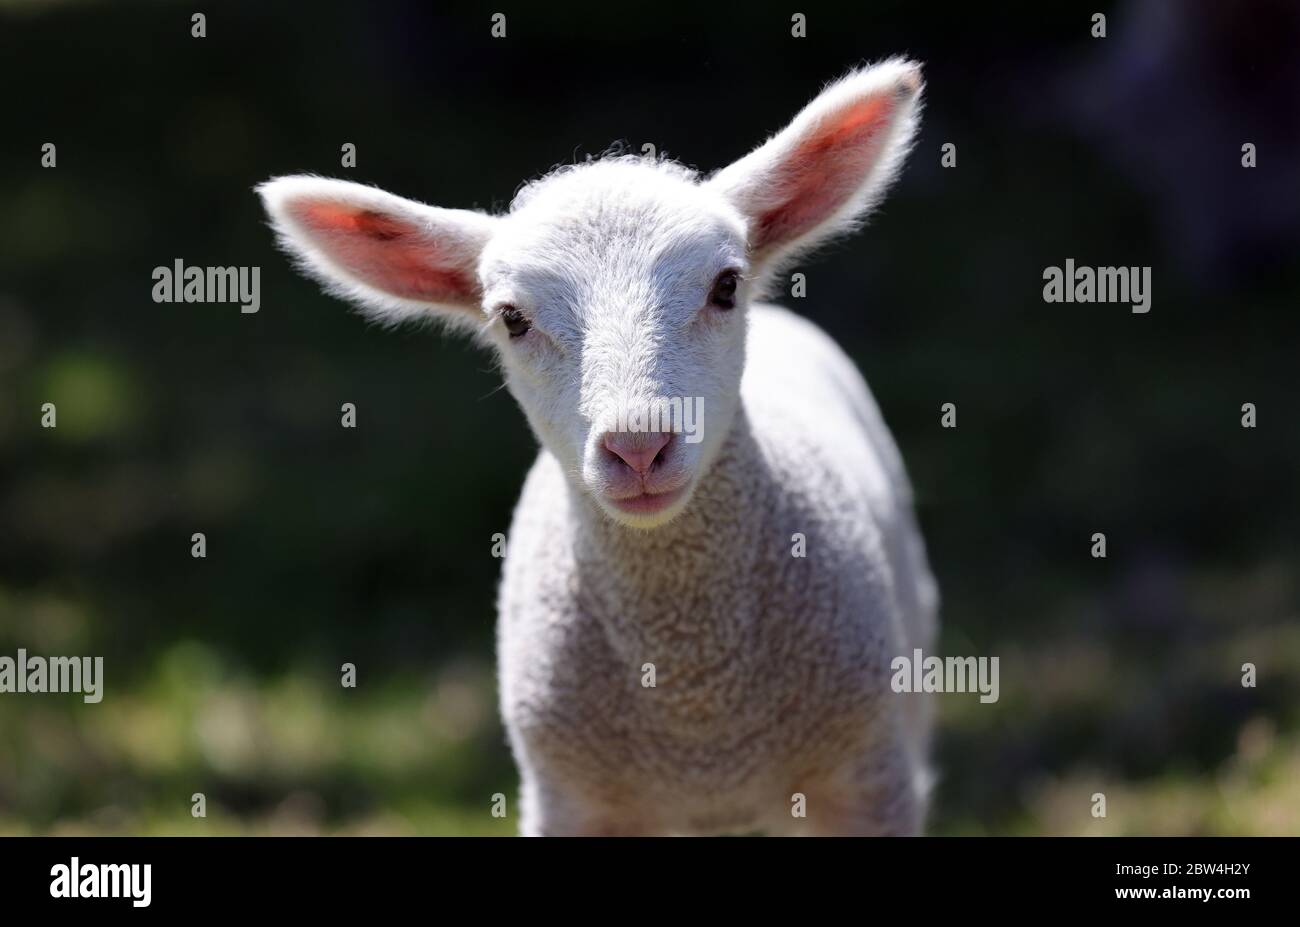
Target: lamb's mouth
648,503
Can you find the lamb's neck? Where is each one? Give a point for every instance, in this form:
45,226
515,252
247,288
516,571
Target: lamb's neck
680,592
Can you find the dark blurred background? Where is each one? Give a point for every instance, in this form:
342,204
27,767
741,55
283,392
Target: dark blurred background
373,545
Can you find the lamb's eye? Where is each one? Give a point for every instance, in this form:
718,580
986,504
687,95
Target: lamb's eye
514,321
723,294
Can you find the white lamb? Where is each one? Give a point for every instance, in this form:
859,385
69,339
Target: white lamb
695,630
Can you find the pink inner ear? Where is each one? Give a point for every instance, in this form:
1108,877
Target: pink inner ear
390,253
824,170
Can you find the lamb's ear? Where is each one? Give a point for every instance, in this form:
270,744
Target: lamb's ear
396,258
823,172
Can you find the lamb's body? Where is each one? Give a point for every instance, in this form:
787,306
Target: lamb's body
771,670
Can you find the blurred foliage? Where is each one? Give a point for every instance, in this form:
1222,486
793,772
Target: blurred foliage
372,546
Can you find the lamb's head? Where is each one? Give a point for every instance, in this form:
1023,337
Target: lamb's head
615,291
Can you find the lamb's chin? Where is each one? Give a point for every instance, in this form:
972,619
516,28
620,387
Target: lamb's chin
648,510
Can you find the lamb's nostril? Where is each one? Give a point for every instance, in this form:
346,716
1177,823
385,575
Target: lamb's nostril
640,450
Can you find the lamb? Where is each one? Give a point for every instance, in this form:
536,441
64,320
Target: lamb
695,630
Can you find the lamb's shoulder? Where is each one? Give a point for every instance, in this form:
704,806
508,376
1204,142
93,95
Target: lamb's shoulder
559,681
829,606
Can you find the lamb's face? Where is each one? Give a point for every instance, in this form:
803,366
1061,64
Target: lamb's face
616,293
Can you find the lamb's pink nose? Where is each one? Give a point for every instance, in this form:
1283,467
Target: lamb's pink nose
638,449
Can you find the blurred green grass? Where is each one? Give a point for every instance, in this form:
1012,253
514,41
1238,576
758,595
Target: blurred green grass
1168,735
296,753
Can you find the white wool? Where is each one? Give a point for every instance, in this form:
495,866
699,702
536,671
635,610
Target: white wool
771,671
